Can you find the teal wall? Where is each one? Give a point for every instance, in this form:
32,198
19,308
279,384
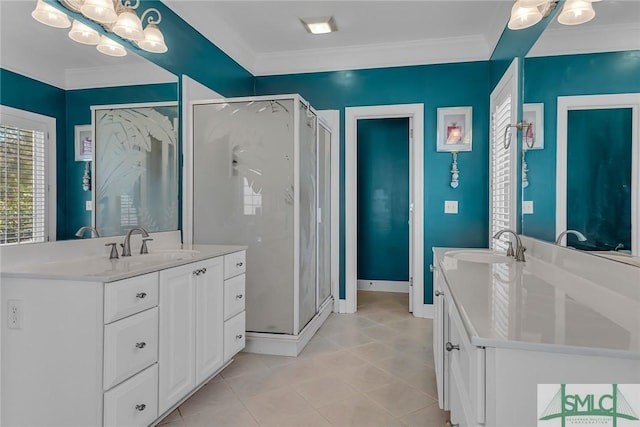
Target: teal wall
599,177
78,112
27,94
383,199
442,85
545,79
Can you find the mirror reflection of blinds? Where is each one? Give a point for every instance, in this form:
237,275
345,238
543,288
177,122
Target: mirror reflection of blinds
22,185
500,173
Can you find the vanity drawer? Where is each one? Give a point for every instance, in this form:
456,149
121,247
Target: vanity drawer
234,264
130,345
130,296
234,335
134,402
468,363
234,296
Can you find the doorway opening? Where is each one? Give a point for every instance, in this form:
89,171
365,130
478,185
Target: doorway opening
414,241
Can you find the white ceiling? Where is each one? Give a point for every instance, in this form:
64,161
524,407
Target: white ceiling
266,37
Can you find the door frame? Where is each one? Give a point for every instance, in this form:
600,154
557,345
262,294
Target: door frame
415,113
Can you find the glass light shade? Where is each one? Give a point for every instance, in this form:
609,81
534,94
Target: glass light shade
523,17
101,11
532,3
74,5
49,15
111,48
128,26
153,40
576,12
83,34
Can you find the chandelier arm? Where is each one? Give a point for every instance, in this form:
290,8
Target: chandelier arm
150,19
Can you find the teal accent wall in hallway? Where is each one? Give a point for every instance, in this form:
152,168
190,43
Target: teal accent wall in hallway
383,199
441,85
599,178
545,79
27,94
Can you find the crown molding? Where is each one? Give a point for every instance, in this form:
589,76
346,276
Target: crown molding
593,39
223,37
118,75
418,52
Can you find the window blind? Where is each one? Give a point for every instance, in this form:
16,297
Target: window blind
501,171
23,185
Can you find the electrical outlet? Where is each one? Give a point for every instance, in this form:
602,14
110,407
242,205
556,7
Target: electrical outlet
15,314
527,207
451,206
88,206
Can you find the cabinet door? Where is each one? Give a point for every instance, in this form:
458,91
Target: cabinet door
439,321
176,357
209,317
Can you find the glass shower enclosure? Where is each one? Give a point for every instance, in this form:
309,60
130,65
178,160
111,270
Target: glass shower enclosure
261,176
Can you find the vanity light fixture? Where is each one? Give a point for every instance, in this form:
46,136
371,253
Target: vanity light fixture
320,25
49,15
526,13
114,16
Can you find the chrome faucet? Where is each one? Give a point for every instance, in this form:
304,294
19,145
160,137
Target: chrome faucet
519,252
126,246
576,233
84,228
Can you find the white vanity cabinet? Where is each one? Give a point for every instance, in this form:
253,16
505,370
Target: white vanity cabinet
500,330
124,352
197,336
191,324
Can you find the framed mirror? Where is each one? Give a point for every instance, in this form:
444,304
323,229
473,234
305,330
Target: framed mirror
601,57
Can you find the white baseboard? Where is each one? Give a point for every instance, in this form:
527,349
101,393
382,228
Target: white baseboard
288,345
383,286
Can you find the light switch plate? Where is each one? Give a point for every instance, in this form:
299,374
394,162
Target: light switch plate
88,205
451,206
527,207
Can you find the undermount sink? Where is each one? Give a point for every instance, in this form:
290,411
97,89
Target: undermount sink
485,256
171,254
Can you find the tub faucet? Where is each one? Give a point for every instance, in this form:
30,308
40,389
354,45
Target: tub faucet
84,228
519,251
576,233
126,246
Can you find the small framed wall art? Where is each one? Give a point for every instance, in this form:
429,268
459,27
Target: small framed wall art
83,143
454,129
533,136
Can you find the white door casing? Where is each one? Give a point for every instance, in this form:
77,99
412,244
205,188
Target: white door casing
415,113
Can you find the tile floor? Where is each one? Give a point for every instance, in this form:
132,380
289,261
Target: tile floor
372,368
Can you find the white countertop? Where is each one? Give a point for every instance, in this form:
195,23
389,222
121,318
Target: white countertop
537,305
101,269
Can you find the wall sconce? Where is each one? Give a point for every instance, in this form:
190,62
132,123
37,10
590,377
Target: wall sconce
454,135
114,17
526,13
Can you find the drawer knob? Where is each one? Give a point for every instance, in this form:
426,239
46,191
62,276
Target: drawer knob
141,295
239,296
141,407
197,272
204,270
141,344
239,264
449,347
438,293
239,336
